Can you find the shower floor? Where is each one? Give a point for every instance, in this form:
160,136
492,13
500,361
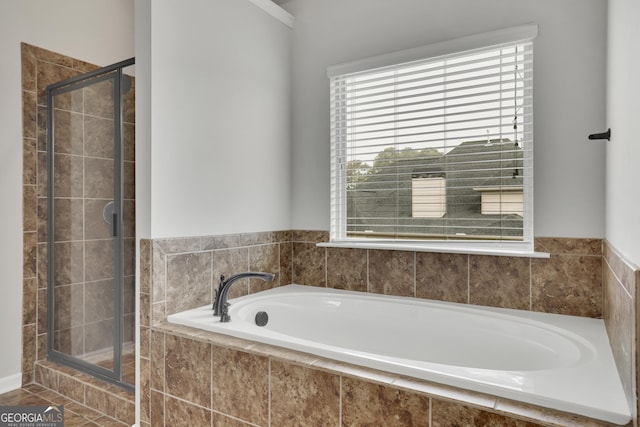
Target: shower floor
105,360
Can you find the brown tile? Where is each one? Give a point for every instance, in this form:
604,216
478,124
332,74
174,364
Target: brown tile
623,269
29,115
129,100
98,137
41,173
41,313
158,273
241,385
188,281
68,132
101,401
29,255
68,174
220,420
619,320
391,272
228,262
188,370
347,269
98,300
308,264
28,61
286,263
68,263
29,208
157,409
98,259
564,245
443,277
369,404
69,303
98,178
145,390
29,162
29,300
264,258
226,241
129,142
182,414
302,396
29,353
544,416
126,412
309,236
178,245
260,238
498,281
68,221
43,220
71,388
567,284
95,226
128,180
158,356
446,414
98,99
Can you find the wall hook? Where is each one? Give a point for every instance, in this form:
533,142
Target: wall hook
604,135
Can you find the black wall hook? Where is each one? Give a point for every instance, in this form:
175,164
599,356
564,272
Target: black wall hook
604,135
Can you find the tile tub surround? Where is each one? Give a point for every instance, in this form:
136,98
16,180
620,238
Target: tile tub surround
570,282
80,147
621,281
192,377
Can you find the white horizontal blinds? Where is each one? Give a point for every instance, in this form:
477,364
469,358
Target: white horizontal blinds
465,119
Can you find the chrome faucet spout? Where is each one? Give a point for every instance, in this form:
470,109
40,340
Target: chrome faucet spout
220,305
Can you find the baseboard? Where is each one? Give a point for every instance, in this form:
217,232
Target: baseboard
10,383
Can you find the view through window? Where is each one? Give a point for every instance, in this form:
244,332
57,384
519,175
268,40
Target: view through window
435,149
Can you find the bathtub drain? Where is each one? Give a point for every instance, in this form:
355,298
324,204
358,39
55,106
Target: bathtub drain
262,318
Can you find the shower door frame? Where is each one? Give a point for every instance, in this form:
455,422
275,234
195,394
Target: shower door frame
112,72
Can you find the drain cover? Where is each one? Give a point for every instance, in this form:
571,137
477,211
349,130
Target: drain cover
262,318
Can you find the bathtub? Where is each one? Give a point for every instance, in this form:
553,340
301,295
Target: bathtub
554,361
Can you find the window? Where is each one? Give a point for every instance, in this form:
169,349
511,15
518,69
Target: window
435,146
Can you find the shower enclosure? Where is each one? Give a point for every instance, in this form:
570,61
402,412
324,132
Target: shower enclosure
91,223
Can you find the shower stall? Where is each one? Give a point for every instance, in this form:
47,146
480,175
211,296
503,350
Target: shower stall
91,223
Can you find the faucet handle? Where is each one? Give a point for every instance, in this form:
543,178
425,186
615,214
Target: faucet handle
224,313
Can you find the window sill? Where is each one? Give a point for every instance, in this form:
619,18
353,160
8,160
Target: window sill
495,249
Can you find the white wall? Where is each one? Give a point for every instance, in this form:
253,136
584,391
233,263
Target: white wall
96,31
220,73
623,113
569,91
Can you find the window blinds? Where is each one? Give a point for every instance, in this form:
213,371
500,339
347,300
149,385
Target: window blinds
439,148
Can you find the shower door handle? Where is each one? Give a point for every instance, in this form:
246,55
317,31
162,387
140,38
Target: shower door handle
111,217
114,225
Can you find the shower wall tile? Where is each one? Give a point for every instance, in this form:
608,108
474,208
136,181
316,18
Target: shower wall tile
392,272
68,131
568,246
69,257
98,259
99,300
29,162
29,295
69,303
29,254
28,59
98,137
49,73
129,179
29,352
95,226
29,206
347,269
129,142
68,219
98,178
443,277
98,99
29,114
98,336
68,176
499,281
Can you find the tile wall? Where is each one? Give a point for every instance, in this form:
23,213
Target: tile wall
621,281
179,274
82,158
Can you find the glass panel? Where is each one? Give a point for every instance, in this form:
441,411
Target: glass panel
84,247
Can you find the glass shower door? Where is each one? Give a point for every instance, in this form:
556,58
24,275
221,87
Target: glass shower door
86,245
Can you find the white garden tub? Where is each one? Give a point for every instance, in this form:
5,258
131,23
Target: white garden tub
554,361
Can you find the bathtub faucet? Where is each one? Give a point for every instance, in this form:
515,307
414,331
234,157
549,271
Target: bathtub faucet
220,305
